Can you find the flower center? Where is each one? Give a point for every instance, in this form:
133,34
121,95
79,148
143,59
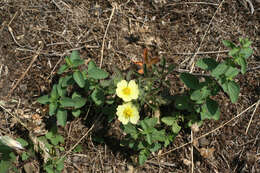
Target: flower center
128,112
127,91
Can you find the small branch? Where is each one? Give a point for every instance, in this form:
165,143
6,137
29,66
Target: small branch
104,38
252,116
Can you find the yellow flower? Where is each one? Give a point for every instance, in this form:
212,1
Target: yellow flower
127,91
127,112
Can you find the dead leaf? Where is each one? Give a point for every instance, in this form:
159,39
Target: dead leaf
186,162
207,153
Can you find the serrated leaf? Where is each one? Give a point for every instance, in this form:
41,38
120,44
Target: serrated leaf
148,123
243,64
67,102
60,164
97,73
168,120
245,42
228,44
44,99
74,56
78,77
25,156
143,156
91,65
52,108
233,91
76,112
190,80
207,63
61,117
234,51
98,97
219,70
130,129
246,52
63,68
156,146
77,63
212,106
210,110
158,135
231,72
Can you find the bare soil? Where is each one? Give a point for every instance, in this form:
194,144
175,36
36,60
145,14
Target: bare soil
171,29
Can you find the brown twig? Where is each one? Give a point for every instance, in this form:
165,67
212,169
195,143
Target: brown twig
104,38
250,121
28,68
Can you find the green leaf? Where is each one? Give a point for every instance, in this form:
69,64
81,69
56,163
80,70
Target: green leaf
182,103
52,108
231,72
4,166
158,135
54,92
246,52
168,120
79,102
156,146
212,106
74,56
77,63
63,68
233,52
233,91
23,142
98,97
207,63
76,112
228,44
243,64
97,73
61,91
148,123
61,117
68,80
200,95
78,77
190,80
143,156
25,156
60,164
67,102
91,65
244,42
210,110
44,99
219,70
130,129
78,149
175,127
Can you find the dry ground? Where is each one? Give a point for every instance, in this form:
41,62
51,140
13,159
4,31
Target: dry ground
173,29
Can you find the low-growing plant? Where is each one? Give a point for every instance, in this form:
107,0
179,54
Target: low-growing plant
151,116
